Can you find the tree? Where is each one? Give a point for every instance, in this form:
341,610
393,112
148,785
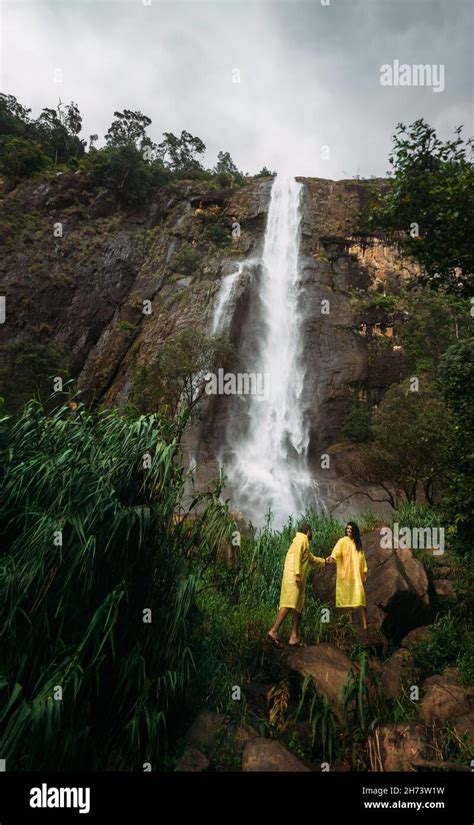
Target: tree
225,164
265,173
58,130
428,206
174,380
14,118
413,434
180,154
20,158
129,129
124,172
432,321
456,382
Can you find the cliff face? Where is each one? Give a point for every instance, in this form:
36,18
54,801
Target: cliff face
99,300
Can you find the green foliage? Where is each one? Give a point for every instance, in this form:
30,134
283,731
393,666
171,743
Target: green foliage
450,644
226,171
72,608
456,382
409,514
129,129
432,186
20,158
174,379
14,118
358,425
188,260
373,300
59,129
217,235
413,434
265,173
432,322
124,172
181,154
29,367
28,146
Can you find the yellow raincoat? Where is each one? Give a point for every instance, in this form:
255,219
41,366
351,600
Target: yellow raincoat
351,567
296,563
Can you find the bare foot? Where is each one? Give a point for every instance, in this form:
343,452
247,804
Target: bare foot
274,638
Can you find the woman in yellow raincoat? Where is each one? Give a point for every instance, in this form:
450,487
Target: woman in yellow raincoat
292,594
351,572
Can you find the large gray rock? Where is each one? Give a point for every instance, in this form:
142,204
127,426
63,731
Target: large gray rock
267,755
206,731
192,761
396,589
445,699
414,637
328,667
444,589
396,747
397,672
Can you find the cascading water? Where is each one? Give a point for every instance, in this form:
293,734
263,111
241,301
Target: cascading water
266,459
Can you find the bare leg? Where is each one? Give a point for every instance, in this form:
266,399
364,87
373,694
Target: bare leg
363,613
295,622
281,616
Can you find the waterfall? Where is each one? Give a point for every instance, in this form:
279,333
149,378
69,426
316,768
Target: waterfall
266,456
222,309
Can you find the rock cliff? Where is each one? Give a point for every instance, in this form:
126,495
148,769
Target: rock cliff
94,291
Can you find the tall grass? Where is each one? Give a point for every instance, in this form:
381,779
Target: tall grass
91,541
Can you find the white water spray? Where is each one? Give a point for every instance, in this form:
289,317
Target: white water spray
267,460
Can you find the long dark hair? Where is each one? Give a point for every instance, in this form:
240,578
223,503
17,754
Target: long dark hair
355,534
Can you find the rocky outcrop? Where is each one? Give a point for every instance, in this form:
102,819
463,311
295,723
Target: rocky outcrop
328,668
193,761
91,280
444,589
397,747
397,672
414,637
206,731
446,700
267,755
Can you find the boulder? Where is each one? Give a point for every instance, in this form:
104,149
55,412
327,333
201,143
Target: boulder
464,727
445,699
396,589
395,747
206,731
396,673
444,589
420,634
328,667
267,755
192,760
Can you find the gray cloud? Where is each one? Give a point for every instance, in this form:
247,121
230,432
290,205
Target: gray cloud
309,74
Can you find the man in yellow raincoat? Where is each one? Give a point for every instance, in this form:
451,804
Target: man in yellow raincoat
292,595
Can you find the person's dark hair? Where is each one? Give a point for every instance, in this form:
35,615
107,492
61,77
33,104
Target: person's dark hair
304,528
355,534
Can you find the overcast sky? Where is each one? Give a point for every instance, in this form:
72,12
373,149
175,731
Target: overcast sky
309,73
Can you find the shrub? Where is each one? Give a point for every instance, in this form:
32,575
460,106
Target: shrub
90,543
20,158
